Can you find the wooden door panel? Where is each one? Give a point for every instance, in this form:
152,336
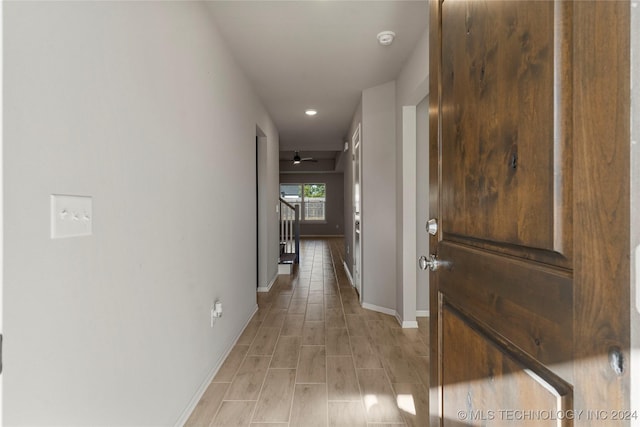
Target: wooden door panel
531,134
530,110
533,314
504,151
486,385
505,294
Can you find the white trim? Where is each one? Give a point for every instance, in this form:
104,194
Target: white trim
422,313
406,324
268,287
186,413
1,201
379,309
346,270
284,269
267,243
320,235
409,230
398,318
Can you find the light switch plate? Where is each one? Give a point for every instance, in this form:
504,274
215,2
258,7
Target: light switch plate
71,216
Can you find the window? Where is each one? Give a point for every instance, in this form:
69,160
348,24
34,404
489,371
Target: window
292,194
310,197
313,201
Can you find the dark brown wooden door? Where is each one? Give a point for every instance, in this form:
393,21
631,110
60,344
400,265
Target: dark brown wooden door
529,306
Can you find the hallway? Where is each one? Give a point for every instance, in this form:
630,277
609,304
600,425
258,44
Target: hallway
311,356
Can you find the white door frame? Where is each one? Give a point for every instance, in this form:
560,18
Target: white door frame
264,213
411,231
410,235
1,198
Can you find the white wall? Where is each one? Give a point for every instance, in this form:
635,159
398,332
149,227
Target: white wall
411,88
379,196
385,178
139,105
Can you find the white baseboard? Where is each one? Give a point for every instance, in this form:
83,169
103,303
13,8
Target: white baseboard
379,309
321,235
422,313
409,324
268,287
285,269
397,316
184,416
406,324
346,270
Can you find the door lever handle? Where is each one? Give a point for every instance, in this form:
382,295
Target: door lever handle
431,263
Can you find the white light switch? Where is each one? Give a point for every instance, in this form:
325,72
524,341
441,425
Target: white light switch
71,216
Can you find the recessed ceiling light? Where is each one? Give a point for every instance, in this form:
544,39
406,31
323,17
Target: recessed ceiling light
385,38
311,112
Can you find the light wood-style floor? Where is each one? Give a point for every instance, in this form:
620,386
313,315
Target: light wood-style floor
311,356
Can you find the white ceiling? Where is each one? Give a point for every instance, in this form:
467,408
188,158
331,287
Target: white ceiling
317,54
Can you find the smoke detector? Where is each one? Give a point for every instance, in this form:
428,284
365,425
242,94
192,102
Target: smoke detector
385,38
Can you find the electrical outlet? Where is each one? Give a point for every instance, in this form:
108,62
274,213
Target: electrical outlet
216,312
71,216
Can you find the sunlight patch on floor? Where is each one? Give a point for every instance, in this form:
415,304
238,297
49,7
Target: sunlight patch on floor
406,404
370,400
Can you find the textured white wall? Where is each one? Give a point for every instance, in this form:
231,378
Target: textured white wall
379,196
139,105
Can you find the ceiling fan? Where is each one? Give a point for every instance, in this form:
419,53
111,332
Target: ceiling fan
297,159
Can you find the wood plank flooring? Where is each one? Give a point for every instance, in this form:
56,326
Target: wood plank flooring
311,356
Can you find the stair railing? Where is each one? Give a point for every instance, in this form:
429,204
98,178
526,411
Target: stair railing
289,230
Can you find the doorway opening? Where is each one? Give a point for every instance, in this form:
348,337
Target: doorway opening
357,214
260,180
